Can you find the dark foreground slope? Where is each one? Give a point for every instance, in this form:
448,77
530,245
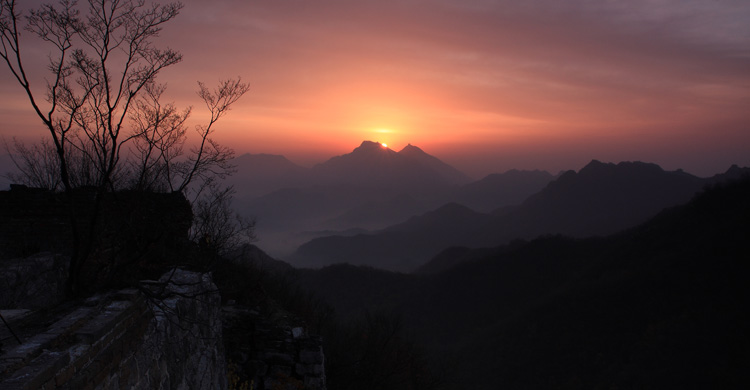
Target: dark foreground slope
662,305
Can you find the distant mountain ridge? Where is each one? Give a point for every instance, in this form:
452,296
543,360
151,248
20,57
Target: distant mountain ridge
259,174
502,189
371,187
602,198
449,173
599,199
660,305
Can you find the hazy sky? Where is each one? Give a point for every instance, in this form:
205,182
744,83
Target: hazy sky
484,85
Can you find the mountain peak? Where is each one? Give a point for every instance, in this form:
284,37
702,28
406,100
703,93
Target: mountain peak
369,150
409,148
374,164
596,166
369,145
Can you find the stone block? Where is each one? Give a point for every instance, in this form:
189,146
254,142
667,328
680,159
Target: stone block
38,372
256,367
298,332
50,385
64,375
10,365
300,369
277,358
70,321
314,383
128,294
103,323
311,356
316,369
31,347
280,371
80,356
309,369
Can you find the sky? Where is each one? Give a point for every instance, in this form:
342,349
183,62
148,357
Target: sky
484,85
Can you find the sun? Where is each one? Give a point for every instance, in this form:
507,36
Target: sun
383,144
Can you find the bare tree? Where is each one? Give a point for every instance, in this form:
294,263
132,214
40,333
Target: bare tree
102,105
99,64
162,131
38,165
160,141
216,227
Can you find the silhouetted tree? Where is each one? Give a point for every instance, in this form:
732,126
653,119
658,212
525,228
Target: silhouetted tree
102,106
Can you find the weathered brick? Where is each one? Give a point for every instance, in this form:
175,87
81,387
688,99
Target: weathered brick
104,323
71,321
50,385
38,372
64,375
310,356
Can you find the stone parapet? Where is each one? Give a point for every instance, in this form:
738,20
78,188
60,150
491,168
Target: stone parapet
273,354
165,337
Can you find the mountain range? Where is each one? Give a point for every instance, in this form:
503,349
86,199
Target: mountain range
599,199
397,210
659,305
368,189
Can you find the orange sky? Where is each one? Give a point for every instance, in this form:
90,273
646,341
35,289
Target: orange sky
484,85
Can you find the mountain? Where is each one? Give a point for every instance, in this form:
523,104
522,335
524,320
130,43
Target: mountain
447,172
401,247
378,214
370,188
502,189
660,305
599,199
260,174
303,206
733,173
376,166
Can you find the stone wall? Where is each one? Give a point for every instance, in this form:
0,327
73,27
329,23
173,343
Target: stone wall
34,282
270,353
167,336
123,236
33,220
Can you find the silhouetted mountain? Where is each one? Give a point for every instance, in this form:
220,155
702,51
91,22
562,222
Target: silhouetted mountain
446,259
249,255
372,187
379,214
502,189
260,174
599,199
454,256
661,305
447,172
289,217
401,247
373,165
733,173
298,205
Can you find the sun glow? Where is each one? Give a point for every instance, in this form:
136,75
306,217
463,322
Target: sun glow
383,144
